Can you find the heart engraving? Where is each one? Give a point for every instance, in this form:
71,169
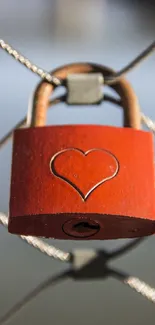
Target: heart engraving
58,170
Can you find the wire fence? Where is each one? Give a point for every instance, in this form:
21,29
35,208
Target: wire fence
101,258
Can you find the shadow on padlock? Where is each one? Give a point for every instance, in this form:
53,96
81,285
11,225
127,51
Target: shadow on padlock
83,182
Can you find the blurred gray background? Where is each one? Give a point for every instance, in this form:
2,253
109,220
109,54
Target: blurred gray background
52,33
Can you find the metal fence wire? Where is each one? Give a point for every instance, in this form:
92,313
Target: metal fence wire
85,264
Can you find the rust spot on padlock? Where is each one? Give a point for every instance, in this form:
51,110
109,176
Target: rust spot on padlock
44,200
81,227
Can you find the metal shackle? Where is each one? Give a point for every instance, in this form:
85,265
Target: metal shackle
122,87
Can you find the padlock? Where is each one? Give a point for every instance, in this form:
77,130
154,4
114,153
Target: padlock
83,182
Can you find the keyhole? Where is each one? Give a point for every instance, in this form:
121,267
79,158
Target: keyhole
83,227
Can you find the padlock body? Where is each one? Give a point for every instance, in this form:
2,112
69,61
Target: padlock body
100,176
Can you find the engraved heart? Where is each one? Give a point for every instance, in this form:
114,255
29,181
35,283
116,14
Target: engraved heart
85,171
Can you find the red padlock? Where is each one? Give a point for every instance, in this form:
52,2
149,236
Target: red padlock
83,181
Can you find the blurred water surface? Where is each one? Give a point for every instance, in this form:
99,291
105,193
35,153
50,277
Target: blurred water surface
52,33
